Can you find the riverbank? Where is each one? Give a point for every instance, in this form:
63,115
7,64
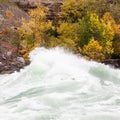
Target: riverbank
10,63
10,19
10,59
112,62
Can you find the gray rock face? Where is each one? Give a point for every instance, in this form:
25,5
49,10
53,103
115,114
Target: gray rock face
33,3
11,63
17,15
10,60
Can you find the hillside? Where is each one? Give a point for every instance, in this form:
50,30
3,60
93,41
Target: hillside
11,14
10,18
85,27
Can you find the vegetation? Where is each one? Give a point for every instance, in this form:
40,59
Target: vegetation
93,50
91,28
3,0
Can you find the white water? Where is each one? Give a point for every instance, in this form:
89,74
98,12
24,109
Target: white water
58,85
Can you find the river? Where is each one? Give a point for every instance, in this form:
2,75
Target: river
59,85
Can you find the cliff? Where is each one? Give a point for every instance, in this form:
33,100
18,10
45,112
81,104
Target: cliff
53,5
10,17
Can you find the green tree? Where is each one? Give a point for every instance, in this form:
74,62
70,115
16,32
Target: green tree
92,26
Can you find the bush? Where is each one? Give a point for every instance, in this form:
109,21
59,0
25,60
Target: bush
92,26
93,50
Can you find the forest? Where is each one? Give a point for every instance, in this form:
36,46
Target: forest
87,27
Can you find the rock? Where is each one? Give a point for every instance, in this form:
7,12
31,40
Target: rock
21,60
9,53
7,72
31,4
1,66
113,62
3,57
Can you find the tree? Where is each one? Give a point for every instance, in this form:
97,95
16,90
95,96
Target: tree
116,41
66,36
72,10
34,30
93,50
92,26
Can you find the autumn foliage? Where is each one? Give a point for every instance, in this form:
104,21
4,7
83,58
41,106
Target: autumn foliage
93,50
92,32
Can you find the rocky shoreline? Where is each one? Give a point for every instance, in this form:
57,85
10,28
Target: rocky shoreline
10,63
10,59
112,62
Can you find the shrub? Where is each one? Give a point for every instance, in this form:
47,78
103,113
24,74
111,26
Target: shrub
93,50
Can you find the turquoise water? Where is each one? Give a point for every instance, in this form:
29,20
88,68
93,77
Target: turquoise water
59,85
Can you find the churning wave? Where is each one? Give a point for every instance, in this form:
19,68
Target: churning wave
59,85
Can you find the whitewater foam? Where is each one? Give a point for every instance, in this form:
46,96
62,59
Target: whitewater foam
59,85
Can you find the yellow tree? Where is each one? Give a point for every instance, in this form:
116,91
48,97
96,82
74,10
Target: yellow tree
108,25
116,41
33,31
66,36
66,33
72,10
93,50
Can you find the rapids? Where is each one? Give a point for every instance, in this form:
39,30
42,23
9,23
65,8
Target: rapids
59,85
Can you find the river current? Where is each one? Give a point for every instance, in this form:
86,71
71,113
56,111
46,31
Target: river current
59,85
